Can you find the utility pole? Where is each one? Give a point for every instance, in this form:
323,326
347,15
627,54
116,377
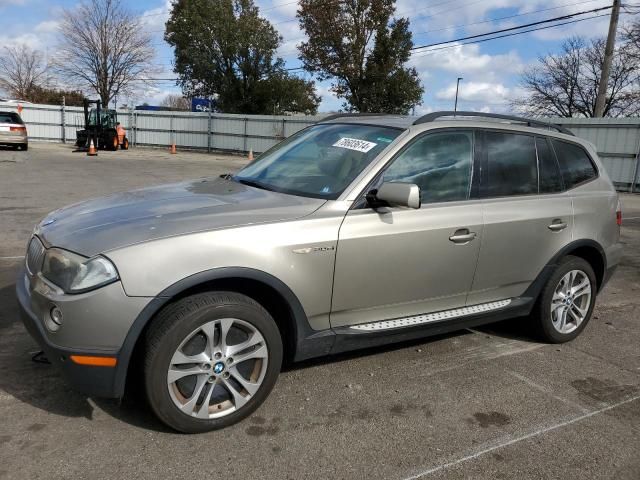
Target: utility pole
608,57
455,107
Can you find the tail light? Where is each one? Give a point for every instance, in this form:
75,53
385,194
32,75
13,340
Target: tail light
18,129
619,214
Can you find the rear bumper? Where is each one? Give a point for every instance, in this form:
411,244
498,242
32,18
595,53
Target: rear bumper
613,257
7,139
90,380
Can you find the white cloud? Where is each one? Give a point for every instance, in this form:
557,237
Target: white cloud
8,3
466,59
481,92
155,18
48,26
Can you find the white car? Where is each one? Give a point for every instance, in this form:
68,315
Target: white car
13,131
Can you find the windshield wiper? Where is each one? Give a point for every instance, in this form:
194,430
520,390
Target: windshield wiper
251,183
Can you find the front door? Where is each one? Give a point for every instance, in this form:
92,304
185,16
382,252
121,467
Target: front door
399,262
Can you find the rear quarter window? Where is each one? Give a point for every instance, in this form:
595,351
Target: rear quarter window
575,164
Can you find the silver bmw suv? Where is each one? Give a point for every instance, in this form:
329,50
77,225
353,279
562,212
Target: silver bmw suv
355,232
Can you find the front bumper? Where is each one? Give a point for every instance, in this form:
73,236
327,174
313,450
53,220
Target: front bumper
99,381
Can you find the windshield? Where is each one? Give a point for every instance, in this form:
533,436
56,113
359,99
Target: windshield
320,161
107,118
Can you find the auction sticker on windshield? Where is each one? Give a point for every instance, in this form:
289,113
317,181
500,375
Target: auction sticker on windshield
355,144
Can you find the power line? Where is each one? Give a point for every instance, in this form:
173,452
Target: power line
490,20
513,34
549,20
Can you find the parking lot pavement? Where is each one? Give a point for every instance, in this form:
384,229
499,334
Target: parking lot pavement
482,403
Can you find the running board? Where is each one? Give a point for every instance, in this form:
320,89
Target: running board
432,317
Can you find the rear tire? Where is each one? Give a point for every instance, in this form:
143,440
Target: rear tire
566,302
114,144
227,381
125,144
24,147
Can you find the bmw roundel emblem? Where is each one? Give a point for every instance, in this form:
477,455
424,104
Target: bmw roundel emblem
218,368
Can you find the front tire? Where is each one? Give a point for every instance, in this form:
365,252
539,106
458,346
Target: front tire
566,303
211,359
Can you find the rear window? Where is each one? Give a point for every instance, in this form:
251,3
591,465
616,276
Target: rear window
512,167
575,164
10,117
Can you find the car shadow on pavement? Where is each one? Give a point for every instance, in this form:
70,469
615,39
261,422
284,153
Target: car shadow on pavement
42,386
511,329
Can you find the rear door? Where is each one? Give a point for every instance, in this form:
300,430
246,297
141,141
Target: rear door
527,216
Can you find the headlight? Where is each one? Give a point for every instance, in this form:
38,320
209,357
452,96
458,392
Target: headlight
76,274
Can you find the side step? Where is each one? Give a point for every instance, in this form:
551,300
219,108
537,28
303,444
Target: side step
432,317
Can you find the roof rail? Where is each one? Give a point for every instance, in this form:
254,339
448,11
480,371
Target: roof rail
340,115
430,117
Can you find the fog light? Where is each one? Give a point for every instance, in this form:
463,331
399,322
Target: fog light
54,321
56,315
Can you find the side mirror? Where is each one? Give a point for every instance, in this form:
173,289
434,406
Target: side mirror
396,194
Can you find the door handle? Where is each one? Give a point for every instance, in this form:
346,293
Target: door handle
462,235
557,225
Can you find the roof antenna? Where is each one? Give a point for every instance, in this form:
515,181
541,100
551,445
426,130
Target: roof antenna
455,107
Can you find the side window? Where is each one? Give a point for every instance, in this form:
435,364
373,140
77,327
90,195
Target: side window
550,179
512,167
439,163
574,162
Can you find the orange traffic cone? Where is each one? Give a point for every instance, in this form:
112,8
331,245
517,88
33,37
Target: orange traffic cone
251,155
172,148
92,149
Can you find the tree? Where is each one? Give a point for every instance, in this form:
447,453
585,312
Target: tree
224,48
566,84
631,35
176,102
53,96
104,48
358,46
22,71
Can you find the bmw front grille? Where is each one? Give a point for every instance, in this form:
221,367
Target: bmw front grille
35,255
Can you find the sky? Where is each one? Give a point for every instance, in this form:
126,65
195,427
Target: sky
490,70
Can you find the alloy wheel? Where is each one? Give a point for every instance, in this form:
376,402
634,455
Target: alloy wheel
217,368
571,301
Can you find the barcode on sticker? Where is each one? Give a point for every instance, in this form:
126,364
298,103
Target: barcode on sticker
355,144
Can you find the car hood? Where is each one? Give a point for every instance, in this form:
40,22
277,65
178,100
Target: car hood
122,219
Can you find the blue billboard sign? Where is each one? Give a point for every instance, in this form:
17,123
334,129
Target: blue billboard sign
201,105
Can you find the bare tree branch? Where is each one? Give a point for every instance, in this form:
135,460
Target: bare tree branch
177,102
566,84
23,71
105,49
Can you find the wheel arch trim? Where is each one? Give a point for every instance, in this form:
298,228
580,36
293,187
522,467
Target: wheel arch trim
533,291
301,323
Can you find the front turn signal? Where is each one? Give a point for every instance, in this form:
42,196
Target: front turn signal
94,361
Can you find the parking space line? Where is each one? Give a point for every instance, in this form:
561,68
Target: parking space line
547,391
17,257
542,431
